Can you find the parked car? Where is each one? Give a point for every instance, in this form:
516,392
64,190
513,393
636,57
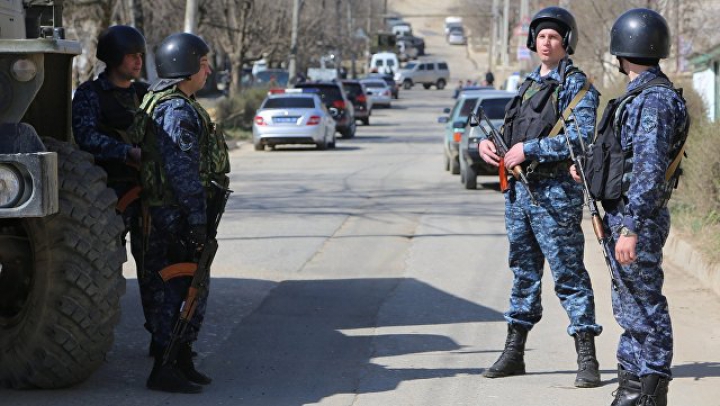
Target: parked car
454,127
379,92
337,102
427,73
456,36
389,79
493,103
293,116
357,93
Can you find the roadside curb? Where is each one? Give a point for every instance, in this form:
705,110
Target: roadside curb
681,254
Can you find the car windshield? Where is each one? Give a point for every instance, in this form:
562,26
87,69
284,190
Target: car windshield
375,84
495,108
289,103
352,89
266,77
467,108
328,94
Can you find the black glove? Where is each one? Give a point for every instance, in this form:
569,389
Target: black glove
197,235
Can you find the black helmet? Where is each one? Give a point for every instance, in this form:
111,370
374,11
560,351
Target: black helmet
116,42
178,56
640,33
559,16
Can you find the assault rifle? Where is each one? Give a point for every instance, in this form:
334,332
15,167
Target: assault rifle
199,270
502,149
591,203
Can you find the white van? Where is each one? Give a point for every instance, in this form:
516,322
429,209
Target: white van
402,30
384,62
451,22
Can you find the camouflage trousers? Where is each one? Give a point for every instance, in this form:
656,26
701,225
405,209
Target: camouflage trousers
549,230
132,218
640,308
167,246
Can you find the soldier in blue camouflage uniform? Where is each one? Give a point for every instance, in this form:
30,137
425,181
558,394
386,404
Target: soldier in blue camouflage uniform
102,112
182,154
550,227
652,128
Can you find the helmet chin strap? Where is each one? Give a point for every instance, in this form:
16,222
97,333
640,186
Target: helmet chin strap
620,68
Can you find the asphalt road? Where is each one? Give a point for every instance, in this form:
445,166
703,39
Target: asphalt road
367,275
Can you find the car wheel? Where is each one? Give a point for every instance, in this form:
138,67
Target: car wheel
440,84
455,166
470,181
427,85
407,84
446,161
462,173
322,145
259,146
366,121
331,144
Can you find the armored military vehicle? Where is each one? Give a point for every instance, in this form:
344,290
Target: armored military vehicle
60,250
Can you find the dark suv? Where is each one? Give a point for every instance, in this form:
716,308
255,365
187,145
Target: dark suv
335,99
356,92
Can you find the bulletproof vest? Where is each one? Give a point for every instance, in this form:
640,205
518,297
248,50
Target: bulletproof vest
117,109
214,158
607,165
533,112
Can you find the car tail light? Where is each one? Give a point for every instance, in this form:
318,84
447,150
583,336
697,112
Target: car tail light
457,135
314,120
339,104
259,120
361,98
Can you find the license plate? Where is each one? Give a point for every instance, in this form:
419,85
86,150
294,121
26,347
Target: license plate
285,120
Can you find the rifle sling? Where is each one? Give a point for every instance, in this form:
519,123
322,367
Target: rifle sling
568,110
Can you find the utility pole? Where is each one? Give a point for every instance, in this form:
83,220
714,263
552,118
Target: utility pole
505,32
493,36
292,65
338,18
191,8
351,35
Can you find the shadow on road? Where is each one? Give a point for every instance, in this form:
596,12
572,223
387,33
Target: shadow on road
309,340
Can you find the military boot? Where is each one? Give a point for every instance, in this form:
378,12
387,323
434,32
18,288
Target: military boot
186,365
654,389
511,361
628,391
588,375
169,378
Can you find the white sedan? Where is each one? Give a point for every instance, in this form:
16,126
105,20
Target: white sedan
293,116
379,92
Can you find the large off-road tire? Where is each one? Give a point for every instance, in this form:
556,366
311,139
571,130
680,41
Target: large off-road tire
61,281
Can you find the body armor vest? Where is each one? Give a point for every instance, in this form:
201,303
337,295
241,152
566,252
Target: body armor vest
532,113
117,109
214,158
607,165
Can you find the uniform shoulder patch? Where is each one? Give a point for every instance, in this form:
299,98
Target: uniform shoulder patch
186,141
649,119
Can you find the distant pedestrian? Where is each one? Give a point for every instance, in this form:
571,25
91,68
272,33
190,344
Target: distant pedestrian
489,78
458,89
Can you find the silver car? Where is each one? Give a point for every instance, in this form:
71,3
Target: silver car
379,92
293,116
